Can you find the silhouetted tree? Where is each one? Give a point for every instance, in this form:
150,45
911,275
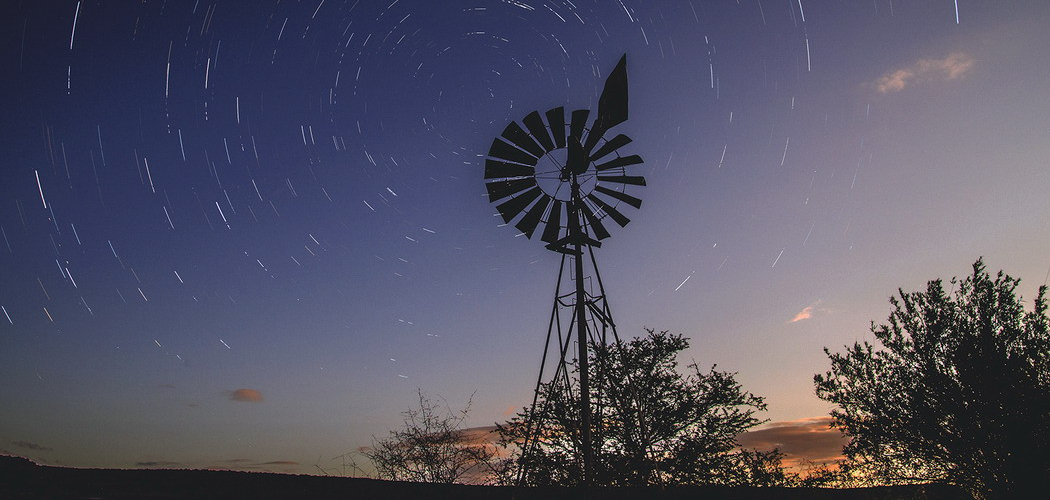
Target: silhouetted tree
431,447
654,425
959,391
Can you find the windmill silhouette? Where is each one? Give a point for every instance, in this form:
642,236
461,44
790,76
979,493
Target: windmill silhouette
572,179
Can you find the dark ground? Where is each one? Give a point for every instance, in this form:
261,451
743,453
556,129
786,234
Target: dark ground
22,479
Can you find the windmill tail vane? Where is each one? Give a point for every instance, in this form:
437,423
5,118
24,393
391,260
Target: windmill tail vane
561,171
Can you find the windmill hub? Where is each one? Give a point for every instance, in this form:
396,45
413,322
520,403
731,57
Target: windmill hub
553,176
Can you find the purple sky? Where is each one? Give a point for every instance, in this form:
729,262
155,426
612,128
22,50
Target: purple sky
243,234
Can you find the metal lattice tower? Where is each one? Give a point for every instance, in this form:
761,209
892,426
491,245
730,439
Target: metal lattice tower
572,179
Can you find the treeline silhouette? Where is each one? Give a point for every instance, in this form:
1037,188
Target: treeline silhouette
954,391
21,479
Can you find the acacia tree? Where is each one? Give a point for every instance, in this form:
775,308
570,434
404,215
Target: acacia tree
431,447
959,391
654,424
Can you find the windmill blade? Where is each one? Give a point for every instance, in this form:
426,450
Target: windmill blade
534,123
579,121
620,218
512,207
503,151
635,180
556,119
621,161
614,144
624,197
496,169
502,189
576,159
596,225
612,105
520,138
553,228
528,223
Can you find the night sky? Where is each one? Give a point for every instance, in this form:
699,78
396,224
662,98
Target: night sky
242,234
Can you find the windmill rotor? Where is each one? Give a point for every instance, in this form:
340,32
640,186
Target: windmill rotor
532,165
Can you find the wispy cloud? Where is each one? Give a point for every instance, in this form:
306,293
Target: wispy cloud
806,439
31,446
953,66
806,313
803,314
246,395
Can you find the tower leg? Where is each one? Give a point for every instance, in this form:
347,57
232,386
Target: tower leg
577,236
585,386
587,312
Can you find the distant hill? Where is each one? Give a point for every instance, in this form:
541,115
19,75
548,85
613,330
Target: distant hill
22,479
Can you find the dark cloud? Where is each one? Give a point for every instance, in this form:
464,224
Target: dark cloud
480,435
159,463
246,395
166,386
803,440
31,446
807,439
246,464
